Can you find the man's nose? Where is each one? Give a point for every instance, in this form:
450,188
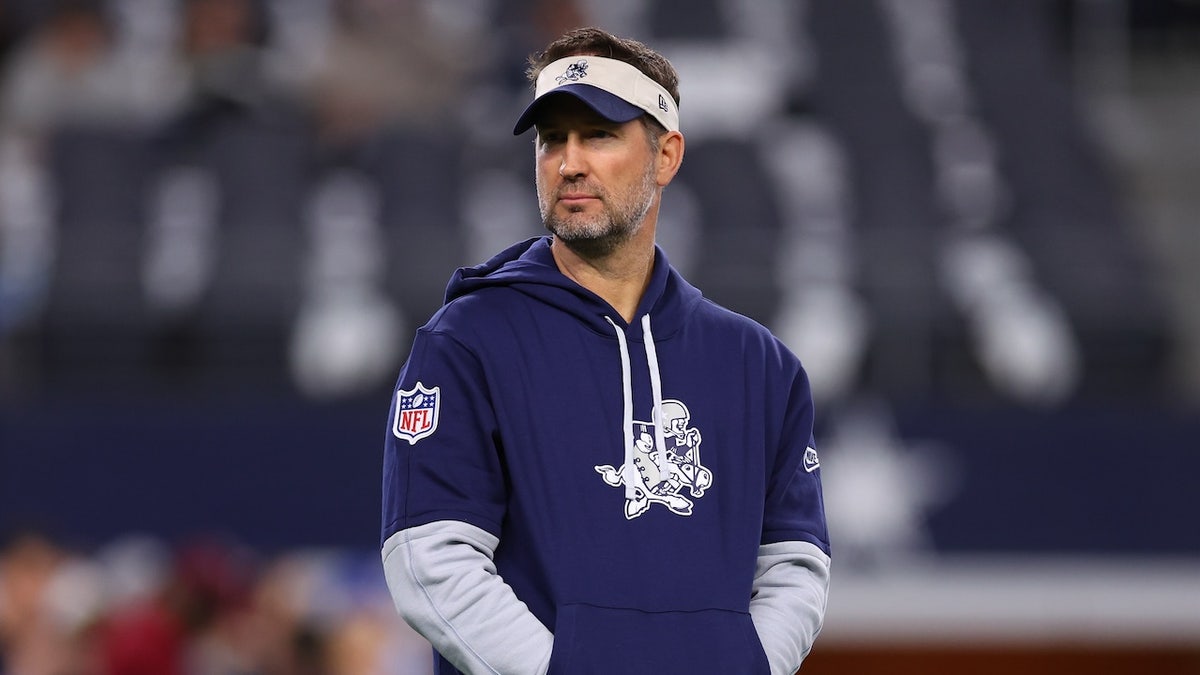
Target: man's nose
574,160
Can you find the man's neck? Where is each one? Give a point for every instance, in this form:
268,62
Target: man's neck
620,278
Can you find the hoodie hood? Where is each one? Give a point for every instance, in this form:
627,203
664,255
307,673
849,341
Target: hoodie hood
529,267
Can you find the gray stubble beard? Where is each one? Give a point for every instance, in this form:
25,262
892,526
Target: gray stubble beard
599,238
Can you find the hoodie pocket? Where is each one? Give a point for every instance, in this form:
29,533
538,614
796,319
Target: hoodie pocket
591,640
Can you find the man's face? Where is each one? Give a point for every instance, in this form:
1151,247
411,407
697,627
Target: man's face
596,179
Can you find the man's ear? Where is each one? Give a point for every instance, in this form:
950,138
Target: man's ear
670,157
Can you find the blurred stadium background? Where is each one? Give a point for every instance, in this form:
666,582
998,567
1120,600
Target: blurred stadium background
975,221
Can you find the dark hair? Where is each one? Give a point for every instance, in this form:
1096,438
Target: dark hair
592,41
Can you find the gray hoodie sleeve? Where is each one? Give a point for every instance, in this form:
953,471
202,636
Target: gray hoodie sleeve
787,603
444,584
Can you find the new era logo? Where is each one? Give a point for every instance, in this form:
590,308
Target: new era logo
811,461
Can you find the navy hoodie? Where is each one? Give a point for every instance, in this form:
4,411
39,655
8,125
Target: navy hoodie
631,472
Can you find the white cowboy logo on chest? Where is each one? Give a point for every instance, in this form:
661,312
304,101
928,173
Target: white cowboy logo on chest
658,477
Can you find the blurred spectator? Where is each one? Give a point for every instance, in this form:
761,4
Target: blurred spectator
205,607
389,63
144,638
67,71
222,45
49,599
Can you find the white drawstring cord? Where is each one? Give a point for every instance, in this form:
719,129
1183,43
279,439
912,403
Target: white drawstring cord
630,470
660,444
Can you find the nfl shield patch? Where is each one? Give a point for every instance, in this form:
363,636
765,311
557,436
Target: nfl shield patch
416,413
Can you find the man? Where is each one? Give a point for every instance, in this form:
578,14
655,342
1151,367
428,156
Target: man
590,467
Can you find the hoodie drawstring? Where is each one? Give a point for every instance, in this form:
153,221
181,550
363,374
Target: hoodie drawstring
630,468
630,473
660,443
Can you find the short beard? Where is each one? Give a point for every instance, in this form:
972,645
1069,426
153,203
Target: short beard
620,226
592,247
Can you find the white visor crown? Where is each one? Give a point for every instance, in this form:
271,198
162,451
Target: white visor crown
618,78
